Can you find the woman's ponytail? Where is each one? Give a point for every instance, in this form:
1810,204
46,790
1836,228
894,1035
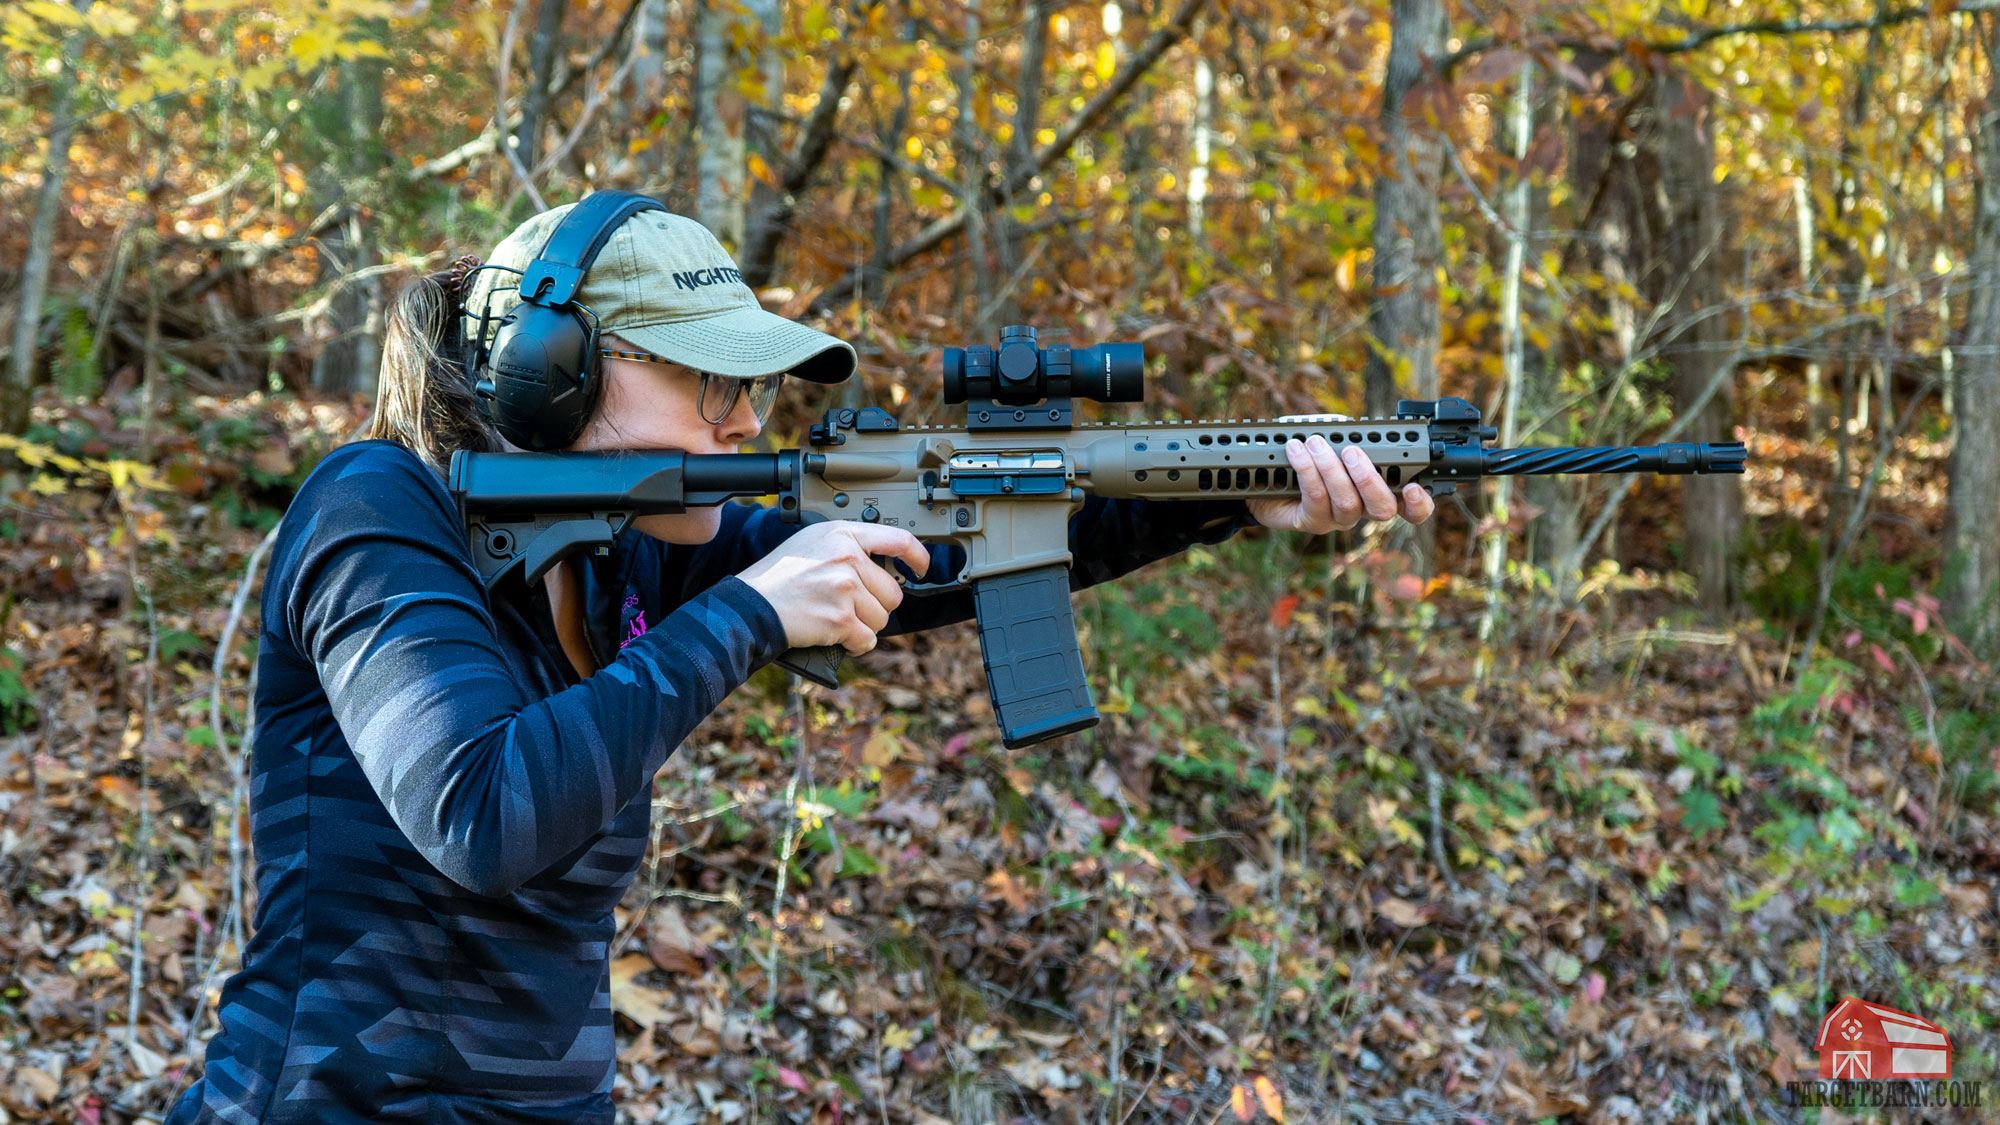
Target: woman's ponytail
423,399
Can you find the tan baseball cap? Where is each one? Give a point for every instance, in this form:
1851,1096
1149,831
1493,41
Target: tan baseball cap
665,284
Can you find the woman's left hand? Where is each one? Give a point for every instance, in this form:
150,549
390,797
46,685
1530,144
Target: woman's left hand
1337,489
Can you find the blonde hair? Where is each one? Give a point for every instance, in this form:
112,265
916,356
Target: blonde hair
423,399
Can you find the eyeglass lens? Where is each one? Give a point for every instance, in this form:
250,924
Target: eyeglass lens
718,396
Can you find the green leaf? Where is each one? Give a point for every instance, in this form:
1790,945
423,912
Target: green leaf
1914,890
173,642
1842,830
1700,814
1565,967
1752,902
854,861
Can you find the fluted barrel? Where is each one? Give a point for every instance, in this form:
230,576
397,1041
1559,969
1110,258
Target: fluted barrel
1672,457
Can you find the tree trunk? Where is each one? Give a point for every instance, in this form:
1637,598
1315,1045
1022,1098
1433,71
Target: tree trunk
1135,143
1947,362
363,78
1685,213
649,87
1513,341
21,365
759,139
1802,202
1553,531
972,178
887,180
1403,335
1204,130
723,109
1609,208
350,361
542,51
1266,155
1972,528
1020,160
1403,308
1028,100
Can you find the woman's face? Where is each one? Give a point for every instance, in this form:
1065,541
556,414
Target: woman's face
656,406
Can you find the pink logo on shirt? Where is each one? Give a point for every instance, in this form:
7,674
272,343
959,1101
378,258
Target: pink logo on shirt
636,623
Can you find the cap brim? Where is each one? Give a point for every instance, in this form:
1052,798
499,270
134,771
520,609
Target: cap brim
746,343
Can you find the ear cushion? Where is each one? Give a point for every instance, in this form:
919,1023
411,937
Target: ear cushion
542,377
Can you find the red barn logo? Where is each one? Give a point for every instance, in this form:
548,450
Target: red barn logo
1859,1040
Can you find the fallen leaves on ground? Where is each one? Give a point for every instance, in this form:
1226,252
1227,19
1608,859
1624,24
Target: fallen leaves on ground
1562,891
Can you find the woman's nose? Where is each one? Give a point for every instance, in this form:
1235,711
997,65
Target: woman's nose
742,425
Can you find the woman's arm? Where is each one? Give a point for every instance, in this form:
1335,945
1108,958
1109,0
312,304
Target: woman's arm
1107,539
379,593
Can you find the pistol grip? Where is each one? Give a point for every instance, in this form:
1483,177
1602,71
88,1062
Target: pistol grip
820,664
1034,671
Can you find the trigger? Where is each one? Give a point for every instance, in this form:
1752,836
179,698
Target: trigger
889,564
916,587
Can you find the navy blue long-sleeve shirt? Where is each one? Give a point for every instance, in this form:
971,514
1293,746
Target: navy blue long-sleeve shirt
444,816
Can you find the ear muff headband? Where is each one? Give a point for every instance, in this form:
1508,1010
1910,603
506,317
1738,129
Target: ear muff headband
539,380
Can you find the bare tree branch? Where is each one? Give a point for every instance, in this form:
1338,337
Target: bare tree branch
500,69
484,143
1086,118
565,77
1700,38
772,220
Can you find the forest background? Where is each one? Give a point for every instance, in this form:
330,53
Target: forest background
1582,804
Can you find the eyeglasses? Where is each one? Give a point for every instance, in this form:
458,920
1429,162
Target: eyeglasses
719,392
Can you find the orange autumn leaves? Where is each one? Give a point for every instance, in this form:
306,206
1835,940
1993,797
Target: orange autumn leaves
1267,1097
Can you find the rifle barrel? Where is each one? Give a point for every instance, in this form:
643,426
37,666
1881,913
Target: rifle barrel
1678,457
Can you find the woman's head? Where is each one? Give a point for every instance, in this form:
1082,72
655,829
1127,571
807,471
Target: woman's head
665,296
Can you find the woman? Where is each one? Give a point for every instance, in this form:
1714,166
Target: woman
451,788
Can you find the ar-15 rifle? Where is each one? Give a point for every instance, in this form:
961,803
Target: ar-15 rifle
1002,487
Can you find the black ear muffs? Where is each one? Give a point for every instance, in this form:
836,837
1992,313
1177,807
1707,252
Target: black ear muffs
542,381
540,378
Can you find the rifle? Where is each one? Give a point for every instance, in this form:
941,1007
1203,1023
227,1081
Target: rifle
1003,487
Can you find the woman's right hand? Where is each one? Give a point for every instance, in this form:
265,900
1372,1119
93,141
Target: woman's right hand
826,587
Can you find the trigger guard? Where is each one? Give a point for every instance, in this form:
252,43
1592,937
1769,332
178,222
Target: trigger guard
928,589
